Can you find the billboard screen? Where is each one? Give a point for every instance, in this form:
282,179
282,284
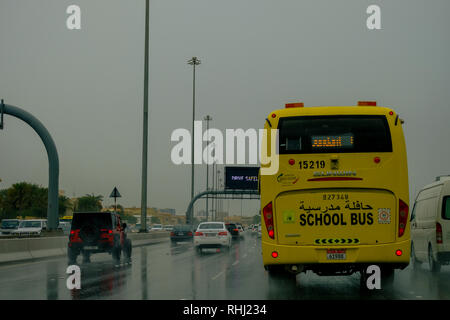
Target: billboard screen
241,178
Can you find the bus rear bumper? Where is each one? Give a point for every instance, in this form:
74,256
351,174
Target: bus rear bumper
315,257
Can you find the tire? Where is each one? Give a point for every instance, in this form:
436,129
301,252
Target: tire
127,250
363,281
279,277
387,277
116,252
275,270
415,263
435,266
86,257
72,256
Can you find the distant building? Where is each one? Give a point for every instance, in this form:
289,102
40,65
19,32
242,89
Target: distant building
168,210
221,216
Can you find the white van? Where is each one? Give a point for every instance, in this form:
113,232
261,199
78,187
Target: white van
430,225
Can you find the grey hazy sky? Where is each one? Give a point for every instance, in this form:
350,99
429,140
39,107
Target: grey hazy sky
86,85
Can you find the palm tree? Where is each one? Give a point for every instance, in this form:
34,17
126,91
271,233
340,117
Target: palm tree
89,202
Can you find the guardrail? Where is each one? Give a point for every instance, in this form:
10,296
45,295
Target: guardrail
27,249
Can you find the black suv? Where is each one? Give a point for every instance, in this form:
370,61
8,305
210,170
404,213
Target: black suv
233,229
94,232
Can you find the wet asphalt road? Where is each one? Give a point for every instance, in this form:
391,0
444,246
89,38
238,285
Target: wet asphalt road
166,271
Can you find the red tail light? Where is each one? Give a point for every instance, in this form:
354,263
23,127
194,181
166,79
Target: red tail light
236,230
268,219
198,234
403,218
223,233
189,233
438,233
172,234
74,235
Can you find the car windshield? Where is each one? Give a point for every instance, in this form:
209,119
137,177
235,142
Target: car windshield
30,224
211,226
9,224
99,219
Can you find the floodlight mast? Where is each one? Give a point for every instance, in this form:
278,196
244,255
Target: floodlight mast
193,62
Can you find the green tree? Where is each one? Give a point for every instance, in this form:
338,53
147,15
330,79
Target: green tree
27,199
64,203
89,202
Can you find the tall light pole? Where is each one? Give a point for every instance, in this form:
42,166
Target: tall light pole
145,129
207,118
217,188
214,187
193,62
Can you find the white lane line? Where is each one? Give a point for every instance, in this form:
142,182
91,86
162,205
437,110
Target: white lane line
244,256
217,275
235,263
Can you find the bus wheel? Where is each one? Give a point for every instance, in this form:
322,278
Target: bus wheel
435,266
363,281
387,277
415,263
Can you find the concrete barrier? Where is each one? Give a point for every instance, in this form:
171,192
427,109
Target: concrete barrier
23,249
47,247
14,250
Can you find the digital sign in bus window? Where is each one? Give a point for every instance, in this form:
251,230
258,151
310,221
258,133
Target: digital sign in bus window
344,141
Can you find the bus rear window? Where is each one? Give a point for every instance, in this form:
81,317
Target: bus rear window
336,134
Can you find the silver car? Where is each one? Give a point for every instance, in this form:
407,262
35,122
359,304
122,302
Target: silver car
212,235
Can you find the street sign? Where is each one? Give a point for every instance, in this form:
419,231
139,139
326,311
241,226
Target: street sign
115,193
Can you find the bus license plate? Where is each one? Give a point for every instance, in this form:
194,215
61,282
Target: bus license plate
336,254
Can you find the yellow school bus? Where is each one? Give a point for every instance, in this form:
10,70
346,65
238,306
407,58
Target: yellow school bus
339,201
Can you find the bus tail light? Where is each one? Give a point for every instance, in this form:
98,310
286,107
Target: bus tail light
274,254
438,233
268,219
403,218
367,103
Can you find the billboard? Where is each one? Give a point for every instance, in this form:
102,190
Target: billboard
241,178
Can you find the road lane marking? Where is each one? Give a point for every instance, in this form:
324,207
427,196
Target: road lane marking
235,263
217,275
